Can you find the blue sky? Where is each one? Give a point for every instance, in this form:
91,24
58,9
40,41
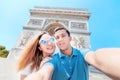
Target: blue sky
104,23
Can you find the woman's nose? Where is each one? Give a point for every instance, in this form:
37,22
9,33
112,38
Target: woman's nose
49,43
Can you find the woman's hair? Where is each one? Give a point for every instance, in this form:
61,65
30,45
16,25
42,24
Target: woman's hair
31,54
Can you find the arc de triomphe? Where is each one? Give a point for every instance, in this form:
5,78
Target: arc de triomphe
46,18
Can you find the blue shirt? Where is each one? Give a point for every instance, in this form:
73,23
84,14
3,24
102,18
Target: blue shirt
72,67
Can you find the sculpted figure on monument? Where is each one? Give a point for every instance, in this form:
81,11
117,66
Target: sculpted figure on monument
25,38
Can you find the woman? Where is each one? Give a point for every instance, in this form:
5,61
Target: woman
41,46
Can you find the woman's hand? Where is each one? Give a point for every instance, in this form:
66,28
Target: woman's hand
45,59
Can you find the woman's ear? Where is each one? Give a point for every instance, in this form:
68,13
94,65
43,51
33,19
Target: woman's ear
39,48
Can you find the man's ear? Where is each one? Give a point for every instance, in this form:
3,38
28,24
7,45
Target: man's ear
70,38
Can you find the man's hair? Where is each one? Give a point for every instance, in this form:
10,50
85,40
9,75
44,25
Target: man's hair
61,28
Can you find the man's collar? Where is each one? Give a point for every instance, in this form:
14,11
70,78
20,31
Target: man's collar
74,53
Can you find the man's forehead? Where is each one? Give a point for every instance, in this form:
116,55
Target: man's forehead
60,32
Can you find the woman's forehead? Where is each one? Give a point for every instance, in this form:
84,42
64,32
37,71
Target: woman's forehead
45,36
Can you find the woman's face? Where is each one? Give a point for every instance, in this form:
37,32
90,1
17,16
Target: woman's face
47,45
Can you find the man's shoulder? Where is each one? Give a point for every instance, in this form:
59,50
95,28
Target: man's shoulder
82,51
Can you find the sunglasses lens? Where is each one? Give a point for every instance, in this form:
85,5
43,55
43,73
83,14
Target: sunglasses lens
51,39
43,42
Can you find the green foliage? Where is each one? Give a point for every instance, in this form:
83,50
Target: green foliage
2,47
3,52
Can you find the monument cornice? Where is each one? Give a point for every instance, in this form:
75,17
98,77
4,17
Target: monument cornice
60,11
31,28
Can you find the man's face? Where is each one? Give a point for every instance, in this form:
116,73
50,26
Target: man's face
62,39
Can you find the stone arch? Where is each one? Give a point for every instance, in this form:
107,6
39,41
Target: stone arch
50,28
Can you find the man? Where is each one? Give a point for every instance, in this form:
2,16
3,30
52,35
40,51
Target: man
72,64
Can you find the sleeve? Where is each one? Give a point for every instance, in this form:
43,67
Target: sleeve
84,51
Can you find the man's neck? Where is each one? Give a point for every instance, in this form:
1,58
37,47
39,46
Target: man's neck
68,51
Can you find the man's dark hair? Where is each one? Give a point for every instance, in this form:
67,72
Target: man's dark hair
62,28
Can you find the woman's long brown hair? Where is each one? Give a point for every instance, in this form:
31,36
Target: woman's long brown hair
31,54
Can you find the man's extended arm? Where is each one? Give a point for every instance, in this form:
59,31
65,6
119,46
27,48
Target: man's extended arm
106,60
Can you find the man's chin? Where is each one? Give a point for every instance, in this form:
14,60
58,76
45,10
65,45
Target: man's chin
62,49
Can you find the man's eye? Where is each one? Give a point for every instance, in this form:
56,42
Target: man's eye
63,36
56,37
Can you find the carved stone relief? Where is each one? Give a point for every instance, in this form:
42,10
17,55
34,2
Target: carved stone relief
48,21
35,22
78,25
78,42
24,39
